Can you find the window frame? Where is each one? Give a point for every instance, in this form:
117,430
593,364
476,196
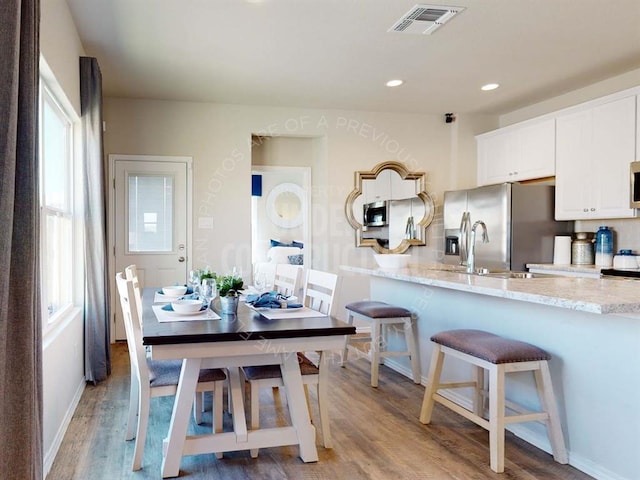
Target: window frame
48,96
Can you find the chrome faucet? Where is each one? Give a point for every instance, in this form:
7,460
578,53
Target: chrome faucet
471,259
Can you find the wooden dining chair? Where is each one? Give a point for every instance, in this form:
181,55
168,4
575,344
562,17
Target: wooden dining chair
319,293
155,378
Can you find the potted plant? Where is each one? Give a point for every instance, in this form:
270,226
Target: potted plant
228,286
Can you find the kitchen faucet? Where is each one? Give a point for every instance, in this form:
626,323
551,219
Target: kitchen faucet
471,259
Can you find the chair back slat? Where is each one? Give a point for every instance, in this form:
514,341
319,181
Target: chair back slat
320,290
287,279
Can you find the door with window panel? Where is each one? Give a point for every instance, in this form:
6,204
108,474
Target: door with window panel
151,222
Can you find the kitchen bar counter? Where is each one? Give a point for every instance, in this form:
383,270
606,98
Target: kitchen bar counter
603,296
590,327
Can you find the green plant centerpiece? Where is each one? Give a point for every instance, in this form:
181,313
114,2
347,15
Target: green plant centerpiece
229,285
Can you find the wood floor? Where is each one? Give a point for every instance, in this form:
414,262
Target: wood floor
376,435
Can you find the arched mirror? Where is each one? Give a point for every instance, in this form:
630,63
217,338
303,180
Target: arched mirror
390,208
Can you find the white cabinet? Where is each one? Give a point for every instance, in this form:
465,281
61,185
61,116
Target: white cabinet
518,152
594,147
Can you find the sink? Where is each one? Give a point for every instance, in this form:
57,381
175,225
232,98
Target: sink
509,274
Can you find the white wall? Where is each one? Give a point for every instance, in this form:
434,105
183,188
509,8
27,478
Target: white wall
218,138
62,355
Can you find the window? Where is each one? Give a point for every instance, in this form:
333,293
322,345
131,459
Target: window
56,204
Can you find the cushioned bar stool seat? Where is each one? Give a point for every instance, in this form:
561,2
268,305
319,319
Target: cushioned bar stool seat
499,356
382,316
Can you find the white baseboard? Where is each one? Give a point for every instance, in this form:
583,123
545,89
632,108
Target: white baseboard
50,455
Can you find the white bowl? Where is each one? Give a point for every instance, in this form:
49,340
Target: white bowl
392,260
174,290
186,306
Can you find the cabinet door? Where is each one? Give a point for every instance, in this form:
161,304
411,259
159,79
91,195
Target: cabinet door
613,149
521,153
574,173
537,145
593,150
496,156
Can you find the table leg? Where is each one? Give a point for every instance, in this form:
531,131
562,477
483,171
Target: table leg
180,417
236,386
298,407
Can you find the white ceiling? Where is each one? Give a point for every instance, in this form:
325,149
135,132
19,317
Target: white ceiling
338,53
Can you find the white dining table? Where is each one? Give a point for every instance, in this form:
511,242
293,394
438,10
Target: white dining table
231,342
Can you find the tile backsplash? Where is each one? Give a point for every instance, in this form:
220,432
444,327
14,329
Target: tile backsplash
626,232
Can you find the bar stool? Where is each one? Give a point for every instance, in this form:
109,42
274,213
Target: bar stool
499,356
382,316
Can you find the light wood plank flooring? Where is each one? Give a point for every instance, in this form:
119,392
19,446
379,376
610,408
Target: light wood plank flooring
376,435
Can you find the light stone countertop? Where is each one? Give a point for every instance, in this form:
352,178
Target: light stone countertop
604,296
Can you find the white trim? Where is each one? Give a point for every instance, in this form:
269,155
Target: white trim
113,158
50,455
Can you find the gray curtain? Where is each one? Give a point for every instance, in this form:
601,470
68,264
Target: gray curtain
20,322
97,357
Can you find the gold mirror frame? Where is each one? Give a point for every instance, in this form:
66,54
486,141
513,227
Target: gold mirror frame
422,194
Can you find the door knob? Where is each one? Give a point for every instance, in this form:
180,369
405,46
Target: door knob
181,259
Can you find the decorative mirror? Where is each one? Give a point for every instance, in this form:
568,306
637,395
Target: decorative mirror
284,205
390,208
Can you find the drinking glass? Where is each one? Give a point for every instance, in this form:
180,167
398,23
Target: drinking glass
260,281
209,290
194,279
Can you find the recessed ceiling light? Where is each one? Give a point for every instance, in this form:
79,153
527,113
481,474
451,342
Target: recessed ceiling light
394,83
489,86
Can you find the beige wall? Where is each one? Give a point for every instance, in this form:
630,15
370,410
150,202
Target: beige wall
218,138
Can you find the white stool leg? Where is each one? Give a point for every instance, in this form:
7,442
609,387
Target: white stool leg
412,346
433,381
376,341
547,399
478,392
496,417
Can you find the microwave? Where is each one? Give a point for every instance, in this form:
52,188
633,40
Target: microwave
376,214
635,185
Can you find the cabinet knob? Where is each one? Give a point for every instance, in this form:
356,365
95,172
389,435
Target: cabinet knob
593,209
515,173
585,209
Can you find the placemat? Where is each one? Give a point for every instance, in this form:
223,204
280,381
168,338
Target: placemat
164,316
283,313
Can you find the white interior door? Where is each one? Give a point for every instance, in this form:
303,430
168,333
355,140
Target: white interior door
150,221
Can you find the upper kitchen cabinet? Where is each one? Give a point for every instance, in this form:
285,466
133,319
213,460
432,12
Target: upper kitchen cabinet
594,146
518,152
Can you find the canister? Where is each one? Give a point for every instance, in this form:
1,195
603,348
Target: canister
582,249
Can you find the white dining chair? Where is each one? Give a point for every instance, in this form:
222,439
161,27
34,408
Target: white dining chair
155,378
319,293
287,278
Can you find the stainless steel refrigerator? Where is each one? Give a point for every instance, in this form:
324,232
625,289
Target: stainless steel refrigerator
520,225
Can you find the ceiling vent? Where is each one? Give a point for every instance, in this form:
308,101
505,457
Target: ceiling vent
425,19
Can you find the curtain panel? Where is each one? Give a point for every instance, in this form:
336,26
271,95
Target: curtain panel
21,448
97,357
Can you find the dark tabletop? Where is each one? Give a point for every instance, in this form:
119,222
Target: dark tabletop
246,325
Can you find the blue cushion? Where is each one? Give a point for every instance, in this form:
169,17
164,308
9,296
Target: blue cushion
296,259
294,243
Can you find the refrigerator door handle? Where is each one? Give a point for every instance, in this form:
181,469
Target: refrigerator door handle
464,237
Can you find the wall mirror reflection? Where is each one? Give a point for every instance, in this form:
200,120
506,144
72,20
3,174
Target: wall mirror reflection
390,208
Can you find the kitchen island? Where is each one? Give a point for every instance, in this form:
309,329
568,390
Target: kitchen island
591,327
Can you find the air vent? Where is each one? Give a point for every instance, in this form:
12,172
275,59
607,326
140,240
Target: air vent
425,19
